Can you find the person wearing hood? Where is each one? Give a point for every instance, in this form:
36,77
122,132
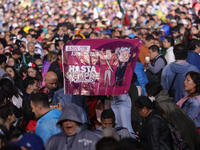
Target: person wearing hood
177,117
72,136
47,118
173,75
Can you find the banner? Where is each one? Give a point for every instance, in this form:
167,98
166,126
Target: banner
99,66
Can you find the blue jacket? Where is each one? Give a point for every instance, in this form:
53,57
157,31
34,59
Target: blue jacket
194,59
168,74
191,108
141,77
46,125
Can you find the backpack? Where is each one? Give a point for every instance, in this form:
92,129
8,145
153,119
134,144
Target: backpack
178,142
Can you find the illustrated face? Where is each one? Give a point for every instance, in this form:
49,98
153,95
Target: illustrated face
108,54
189,84
106,123
124,56
70,127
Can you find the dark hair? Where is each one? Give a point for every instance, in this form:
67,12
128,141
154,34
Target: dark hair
14,70
108,114
153,88
180,52
38,74
3,42
144,101
8,86
57,43
40,98
111,49
160,43
28,81
27,114
155,48
23,69
149,37
193,43
195,76
2,58
170,40
106,143
127,144
5,111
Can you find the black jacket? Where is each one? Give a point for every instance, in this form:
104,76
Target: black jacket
153,132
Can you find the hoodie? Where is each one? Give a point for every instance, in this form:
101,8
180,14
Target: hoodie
168,74
82,139
46,125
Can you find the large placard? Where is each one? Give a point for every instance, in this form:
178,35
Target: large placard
99,66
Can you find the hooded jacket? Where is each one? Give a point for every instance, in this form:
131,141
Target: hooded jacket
46,125
179,120
168,74
82,139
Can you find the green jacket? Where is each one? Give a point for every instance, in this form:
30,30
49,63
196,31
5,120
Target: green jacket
179,119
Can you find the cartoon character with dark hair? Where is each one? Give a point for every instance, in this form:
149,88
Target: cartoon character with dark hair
124,57
110,57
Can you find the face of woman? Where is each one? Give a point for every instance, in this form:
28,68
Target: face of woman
10,71
189,85
32,72
194,31
11,62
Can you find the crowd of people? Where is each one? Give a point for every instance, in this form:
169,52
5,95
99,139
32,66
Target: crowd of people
165,88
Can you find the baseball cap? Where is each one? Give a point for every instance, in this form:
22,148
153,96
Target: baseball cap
29,140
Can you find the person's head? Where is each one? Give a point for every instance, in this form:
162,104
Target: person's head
70,120
23,71
39,104
51,80
31,47
144,106
192,83
39,63
153,51
33,71
194,45
106,143
7,115
29,37
11,61
168,42
52,56
124,54
128,144
30,84
180,52
149,40
159,43
153,88
194,29
8,86
28,141
11,70
2,61
109,52
107,118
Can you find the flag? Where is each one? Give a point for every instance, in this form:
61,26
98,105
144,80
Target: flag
126,19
